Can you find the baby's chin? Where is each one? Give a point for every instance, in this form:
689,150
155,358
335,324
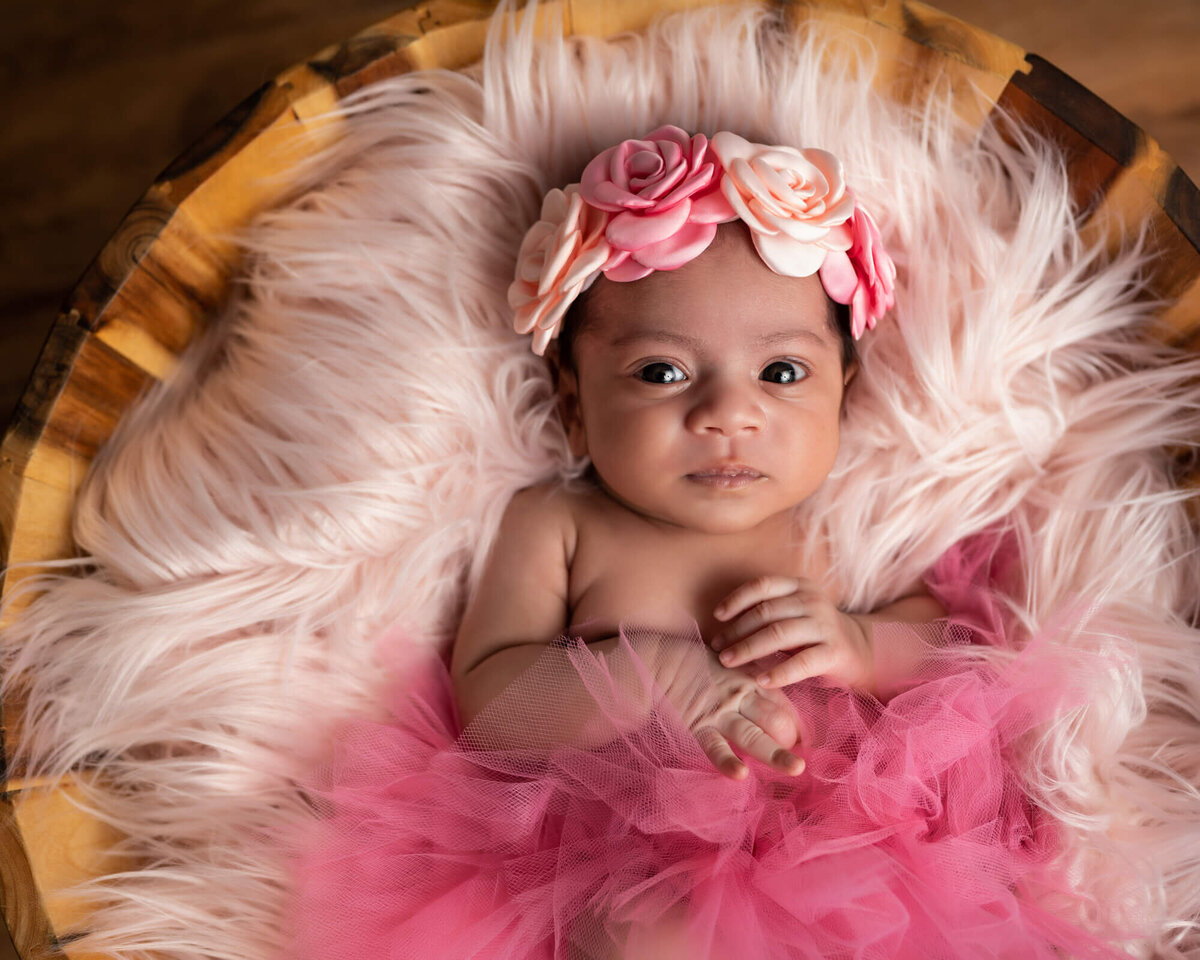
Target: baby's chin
706,518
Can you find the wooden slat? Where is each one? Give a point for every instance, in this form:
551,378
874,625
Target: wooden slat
1119,175
163,276
50,844
28,925
919,46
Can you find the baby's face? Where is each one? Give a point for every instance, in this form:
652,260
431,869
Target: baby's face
721,365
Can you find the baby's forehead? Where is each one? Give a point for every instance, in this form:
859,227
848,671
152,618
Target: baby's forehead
620,311
710,333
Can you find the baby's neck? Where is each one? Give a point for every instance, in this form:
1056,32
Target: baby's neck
780,528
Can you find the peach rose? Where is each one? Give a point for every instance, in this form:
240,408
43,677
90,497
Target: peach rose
560,257
664,193
794,201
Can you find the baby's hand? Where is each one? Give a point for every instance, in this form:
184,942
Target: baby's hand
724,708
781,614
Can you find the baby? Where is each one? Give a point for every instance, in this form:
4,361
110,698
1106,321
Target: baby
701,300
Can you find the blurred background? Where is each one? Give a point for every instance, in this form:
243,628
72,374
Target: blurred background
102,97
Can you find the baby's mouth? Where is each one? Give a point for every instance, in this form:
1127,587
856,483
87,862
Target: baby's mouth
730,477
727,471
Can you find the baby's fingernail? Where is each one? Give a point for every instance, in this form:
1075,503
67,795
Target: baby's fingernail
789,760
719,611
764,679
726,656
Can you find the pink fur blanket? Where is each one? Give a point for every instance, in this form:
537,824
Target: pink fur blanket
332,459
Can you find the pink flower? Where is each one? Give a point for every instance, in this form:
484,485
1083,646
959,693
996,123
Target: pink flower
794,201
864,276
665,193
560,257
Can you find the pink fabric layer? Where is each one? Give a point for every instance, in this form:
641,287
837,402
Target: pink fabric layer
907,835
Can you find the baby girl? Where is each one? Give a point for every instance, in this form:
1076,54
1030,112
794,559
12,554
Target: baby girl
676,611
700,301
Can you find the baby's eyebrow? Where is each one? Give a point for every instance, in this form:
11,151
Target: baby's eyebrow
767,339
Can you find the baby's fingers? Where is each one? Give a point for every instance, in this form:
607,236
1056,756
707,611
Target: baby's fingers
814,661
713,743
755,741
771,711
752,592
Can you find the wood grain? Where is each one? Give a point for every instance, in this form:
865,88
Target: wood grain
163,272
85,132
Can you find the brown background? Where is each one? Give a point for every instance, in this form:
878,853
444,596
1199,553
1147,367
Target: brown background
101,97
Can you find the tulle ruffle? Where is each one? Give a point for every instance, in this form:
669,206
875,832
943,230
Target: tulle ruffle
907,835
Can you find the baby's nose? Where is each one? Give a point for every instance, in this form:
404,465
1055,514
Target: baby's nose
727,409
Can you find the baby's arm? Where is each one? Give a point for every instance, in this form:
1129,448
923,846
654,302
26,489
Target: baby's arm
899,654
519,607
522,604
784,614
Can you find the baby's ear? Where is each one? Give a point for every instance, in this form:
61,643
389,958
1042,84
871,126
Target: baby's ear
850,373
566,385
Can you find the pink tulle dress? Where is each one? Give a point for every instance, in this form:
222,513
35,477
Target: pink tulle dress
907,834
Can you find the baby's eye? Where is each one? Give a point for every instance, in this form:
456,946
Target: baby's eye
661,372
783,371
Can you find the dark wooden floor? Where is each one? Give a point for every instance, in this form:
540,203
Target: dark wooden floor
101,97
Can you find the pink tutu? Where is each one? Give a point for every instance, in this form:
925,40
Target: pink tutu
907,834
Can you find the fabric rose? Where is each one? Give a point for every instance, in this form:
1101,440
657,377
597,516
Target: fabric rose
804,219
794,201
560,257
664,194
864,276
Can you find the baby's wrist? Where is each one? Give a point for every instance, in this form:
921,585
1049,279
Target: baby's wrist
863,640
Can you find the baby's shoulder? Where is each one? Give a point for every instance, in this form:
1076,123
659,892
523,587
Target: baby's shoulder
557,495
553,504
547,506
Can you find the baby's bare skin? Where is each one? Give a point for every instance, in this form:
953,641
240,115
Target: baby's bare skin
710,418
627,565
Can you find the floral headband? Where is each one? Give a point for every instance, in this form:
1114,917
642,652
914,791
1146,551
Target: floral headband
654,204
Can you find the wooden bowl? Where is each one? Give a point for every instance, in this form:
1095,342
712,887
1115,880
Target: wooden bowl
164,274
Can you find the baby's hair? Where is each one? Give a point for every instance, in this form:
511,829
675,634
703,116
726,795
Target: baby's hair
838,315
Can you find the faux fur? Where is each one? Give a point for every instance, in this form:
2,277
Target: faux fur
332,459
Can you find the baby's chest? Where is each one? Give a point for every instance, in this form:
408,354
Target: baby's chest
618,575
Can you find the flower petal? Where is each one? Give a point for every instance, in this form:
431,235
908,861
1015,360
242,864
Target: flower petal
680,248
731,192
518,296
628,270
711,207
664,184
803,231
690,186
644,167
860,314
787,257
618,161
839,237
671,155
751,184
838,276
809,182
729,147
588,261
631,231
606,195
830,167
